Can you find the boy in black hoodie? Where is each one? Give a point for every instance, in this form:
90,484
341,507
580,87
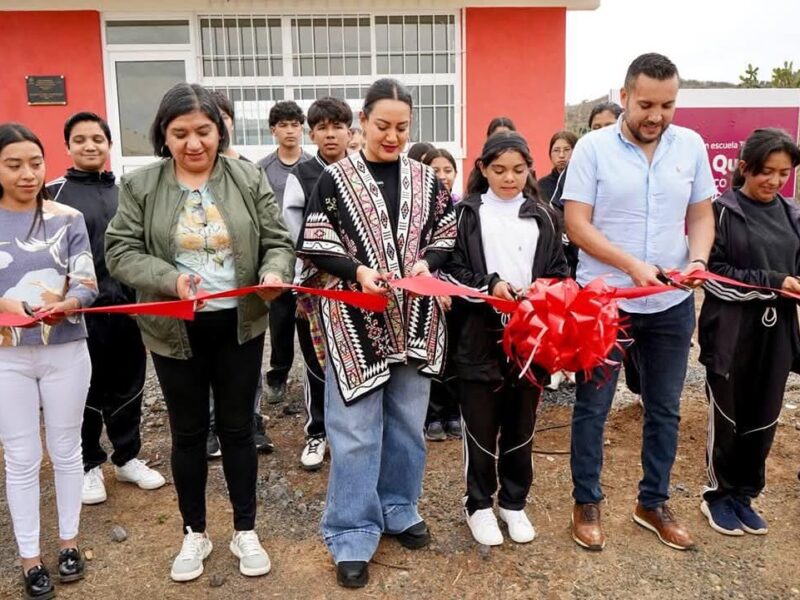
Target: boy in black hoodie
115,345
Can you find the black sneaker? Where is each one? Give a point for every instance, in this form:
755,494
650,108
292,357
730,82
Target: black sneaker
453,428
415,537
38,583
276,393
71,566
212,446
263,442
294,407
435,432
352,573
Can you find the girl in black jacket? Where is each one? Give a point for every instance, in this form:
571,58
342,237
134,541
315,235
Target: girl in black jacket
506,239
749,338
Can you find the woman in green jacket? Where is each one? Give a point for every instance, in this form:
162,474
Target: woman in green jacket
199,221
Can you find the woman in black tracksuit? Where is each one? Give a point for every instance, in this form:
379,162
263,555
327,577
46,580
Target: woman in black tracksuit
506,239
749,338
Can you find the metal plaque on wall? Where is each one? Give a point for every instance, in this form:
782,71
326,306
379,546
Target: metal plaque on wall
46,89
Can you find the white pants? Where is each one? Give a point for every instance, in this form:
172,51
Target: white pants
57,379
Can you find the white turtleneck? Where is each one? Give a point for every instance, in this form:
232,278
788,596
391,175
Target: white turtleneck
509,242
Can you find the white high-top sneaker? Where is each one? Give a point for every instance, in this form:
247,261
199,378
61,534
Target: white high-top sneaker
188,565
136,471
93,490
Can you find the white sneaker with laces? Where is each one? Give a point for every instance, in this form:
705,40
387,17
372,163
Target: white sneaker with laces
188,565
136,471
253,559
93,490
313,453
483,525
520,528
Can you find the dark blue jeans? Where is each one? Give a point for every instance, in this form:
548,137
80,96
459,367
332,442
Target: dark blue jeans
662,341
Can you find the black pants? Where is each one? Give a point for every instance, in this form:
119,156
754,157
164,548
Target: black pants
281,338
443,404
314,382
232,371
115,393
489,409
744,407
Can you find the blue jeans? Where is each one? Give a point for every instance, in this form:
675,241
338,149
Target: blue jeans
662,341
377,462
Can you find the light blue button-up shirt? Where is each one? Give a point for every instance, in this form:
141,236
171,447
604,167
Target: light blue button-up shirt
639,206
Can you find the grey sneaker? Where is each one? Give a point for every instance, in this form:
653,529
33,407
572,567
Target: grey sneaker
253,559
434,432
276,393
188,565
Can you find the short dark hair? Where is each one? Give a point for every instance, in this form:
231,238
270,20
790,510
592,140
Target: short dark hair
440,153
419,150
386,89
498,122
757,149
286,110
567,136
653,65
331,110
81,117
223,103
182,99
612,107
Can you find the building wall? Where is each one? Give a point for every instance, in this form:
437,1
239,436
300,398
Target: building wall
516,67
51,43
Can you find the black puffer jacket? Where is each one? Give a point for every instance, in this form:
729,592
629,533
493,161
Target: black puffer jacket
724,306
478,355
95,195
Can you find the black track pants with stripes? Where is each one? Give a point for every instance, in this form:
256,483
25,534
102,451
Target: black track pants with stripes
744,406
498,437
115,393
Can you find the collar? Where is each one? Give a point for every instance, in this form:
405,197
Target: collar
90,177
730,201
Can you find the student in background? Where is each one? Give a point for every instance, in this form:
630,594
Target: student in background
286,120
444,165
507,238
560,151
356,142
499,124
417,151
45,368
328,122
604,115
749,339
115,345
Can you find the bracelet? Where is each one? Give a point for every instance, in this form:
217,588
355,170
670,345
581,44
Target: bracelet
701,261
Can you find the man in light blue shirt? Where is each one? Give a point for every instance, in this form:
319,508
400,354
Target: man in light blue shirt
638,197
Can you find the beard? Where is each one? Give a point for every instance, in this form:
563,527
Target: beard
634,129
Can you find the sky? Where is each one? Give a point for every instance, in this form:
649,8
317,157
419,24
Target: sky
706,39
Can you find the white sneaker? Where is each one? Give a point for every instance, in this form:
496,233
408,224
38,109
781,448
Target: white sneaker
313,453
93,490
136,471
253,559
483,525
188,564
520,528
555,380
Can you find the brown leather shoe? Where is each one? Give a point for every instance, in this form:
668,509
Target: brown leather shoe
586,529
661,521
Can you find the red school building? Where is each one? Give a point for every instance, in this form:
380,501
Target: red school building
465,62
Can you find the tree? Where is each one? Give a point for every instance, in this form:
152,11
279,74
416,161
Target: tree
786,76
750,77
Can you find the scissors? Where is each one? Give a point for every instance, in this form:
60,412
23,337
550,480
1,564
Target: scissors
27,308
663,277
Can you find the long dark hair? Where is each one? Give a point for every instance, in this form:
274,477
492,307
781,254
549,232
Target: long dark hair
757,149
439,153
495,145
13,133
182,99
498,122
386,89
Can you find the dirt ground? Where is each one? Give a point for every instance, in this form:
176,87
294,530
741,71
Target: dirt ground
633,565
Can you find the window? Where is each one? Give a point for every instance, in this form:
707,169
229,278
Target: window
259,59
147,32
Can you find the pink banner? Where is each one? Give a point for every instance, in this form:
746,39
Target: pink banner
724,130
